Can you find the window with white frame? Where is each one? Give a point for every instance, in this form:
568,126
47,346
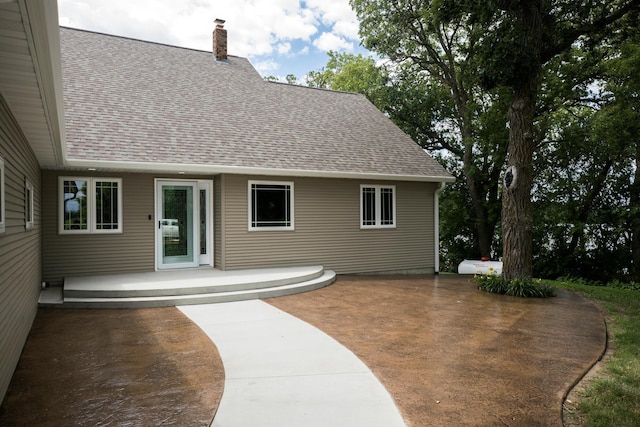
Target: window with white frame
28,205
90,205
270,205
2,201
377,206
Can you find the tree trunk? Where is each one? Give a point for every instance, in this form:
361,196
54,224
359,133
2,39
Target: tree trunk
485,236
517,220
635,222
483,229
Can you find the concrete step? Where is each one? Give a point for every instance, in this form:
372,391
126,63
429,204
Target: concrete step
173,283
326,278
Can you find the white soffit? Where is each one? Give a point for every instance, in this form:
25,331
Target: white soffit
30,75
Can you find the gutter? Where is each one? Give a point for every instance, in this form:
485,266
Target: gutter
204,169
436,226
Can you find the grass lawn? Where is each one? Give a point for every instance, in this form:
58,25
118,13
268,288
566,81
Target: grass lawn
613,399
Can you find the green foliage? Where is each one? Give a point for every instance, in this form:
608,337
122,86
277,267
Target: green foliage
590,134
452,69
352,73
520,287
289,78
616,284
474,47
614,399
631,286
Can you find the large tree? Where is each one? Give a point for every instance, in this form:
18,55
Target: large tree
507,46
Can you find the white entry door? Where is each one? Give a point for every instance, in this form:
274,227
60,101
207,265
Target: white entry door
183,229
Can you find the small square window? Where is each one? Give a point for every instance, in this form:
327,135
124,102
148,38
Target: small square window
377,206
28,205
270,205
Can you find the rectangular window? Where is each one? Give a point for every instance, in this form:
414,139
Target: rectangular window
107,203
90,205
28,205
74,205
368,206
377,206
2,215
270,205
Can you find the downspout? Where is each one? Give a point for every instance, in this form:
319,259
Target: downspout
436,226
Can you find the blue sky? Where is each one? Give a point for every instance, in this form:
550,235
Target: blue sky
279,37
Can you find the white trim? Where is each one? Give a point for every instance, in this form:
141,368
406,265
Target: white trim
42,33
240,170
28,205
2,197
91,205
92,220
207,185
436,226
378,206
197,184
290,227
61,181
195,236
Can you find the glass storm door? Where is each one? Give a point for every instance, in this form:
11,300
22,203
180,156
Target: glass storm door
178,227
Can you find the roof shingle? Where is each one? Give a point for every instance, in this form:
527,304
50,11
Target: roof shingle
133,101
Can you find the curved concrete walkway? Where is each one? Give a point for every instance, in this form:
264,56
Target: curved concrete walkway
282,372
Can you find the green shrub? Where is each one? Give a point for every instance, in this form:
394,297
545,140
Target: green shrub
617,284
631,286
519,287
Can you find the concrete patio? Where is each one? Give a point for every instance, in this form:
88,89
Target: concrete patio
447,353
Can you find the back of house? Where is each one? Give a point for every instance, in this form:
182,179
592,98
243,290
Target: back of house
121,155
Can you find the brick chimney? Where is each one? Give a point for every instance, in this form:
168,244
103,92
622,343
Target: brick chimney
220,41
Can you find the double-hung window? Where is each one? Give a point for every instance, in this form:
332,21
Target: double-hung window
377,206
90,205
28,205
2,202
270,205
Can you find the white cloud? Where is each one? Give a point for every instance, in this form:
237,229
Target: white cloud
266,66
283,48
265,32
329,41
338,15
349,29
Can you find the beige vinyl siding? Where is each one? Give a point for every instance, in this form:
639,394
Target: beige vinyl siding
218,223
327,228
131,251
88,254
20,271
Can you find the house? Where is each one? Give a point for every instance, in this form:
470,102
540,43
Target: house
131,156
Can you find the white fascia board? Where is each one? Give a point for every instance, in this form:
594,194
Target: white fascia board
239,170
43,35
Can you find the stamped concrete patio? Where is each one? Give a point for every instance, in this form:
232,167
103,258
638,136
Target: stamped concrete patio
448,354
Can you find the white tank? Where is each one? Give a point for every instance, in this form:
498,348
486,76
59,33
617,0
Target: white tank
476,266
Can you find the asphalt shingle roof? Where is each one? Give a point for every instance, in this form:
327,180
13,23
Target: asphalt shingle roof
133,101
